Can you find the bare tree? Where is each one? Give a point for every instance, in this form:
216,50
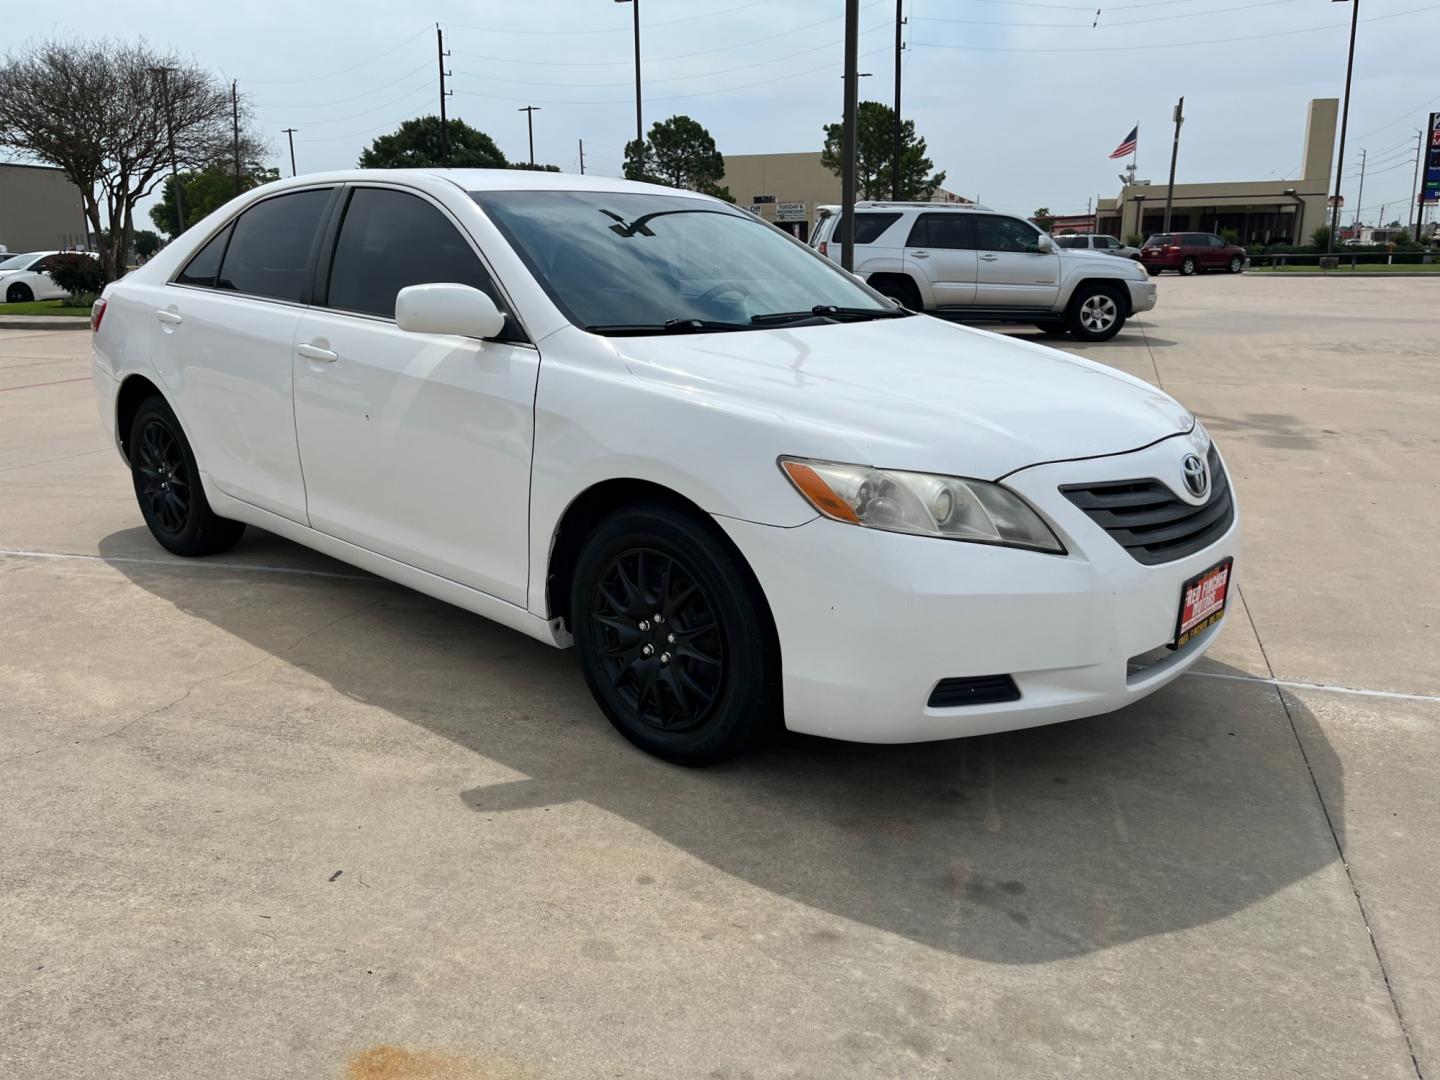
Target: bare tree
99,110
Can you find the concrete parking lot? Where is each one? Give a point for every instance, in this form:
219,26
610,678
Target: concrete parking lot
267,816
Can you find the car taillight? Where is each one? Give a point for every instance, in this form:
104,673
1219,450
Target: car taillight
825,248
97,312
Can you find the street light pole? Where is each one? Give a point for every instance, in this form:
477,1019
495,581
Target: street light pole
1174,154
164,73
639,124
530,111
852,105
1344,123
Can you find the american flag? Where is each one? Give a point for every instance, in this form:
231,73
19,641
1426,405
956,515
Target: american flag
1127,147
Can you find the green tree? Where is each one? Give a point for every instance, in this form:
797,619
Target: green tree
416,144
1134,239
679,153
1320,236
1230,236
147,242
533,168
205,190
1043,219
875,155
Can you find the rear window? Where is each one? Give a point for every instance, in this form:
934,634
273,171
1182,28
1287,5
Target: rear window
1160,240
868,227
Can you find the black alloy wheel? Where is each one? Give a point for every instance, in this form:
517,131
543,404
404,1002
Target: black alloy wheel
168,488
662,648
19,293
674,635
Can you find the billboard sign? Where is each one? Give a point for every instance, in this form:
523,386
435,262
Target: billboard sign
790,211
1430,186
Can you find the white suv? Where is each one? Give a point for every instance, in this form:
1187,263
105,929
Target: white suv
977,264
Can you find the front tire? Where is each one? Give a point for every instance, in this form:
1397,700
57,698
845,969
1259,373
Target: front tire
1236,265
168,488
19,293
1097,312
1187,266
674,637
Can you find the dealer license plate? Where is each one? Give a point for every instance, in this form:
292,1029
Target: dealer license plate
1202,602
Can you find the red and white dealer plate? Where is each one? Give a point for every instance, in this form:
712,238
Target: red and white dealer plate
1202,602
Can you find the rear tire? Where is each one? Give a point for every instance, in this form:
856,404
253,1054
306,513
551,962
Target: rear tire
1052,329
674,637
168,489
902,291
1096,313
1153,271
19,293
1187,266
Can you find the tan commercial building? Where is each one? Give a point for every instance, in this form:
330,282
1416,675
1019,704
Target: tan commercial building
40,209
789,189
1260,211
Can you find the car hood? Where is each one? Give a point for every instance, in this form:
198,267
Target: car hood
915,393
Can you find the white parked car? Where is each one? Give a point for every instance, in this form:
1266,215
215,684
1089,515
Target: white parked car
745,487
1106,245
971,263
26,277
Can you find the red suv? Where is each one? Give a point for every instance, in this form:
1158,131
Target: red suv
1191,252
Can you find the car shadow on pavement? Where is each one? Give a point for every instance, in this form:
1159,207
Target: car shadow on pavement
1019,848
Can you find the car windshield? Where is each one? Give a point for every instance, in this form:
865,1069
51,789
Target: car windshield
17,262
632,261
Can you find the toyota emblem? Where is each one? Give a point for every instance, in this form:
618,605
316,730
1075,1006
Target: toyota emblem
1197,475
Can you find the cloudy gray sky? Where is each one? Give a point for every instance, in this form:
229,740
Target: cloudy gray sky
1021,101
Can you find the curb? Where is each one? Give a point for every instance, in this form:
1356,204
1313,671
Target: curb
44,322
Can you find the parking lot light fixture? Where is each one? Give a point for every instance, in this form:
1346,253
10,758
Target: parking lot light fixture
639,124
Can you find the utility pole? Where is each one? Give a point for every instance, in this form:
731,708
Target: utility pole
639,125
164,73
290,132
440,55
235,128
896,190
1415,188
582,157
1360,199
1174,154
1344,124
852,105
530,111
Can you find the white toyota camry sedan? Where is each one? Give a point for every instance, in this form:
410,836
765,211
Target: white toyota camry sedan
749,490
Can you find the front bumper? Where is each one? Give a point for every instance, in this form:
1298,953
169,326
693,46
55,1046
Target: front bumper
1143,295
869,622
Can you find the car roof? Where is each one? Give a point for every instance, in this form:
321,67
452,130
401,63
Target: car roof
886,204
488,180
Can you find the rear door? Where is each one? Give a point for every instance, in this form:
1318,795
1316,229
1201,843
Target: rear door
416,446
1013,271
223,337
940,256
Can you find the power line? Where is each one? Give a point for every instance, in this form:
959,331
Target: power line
366,112
354,97
609,29
1153,46
1087,24
1422,107
342,71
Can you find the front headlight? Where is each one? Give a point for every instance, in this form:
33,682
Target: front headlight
922,504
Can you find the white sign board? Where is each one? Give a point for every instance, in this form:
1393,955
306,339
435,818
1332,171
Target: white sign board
790,211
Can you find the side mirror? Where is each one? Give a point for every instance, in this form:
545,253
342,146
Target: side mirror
447,308
1045,244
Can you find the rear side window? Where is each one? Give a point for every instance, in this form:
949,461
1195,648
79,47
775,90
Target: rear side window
870,227
269,253
1070,241
1194,240
390,240
941,231
205,265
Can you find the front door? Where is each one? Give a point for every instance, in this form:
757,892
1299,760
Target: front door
940,255
1014,272
415,446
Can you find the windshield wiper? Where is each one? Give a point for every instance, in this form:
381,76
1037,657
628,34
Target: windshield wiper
669,326
830,311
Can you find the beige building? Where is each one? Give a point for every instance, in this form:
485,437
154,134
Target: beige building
40,209
1260,211
789,189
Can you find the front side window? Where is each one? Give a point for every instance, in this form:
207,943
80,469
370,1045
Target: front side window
269,253
994,233
390,240
1109,243
627,260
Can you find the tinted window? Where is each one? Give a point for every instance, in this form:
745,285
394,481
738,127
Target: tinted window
1004,234
1070,241
1160,240
269,254
1193,240
941,231
870,227
201,269
1107,242
391,240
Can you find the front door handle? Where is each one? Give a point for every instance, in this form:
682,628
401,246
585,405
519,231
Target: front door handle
989,258
315,352
169,318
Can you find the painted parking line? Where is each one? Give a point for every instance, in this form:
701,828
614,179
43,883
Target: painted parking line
1332,688
174,564
33,385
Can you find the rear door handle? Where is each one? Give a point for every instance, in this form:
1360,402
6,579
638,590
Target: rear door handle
989,258
315,352
919,254
169,318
